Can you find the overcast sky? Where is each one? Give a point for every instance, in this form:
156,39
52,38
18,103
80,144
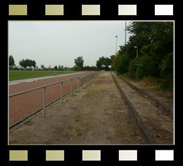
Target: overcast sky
60,42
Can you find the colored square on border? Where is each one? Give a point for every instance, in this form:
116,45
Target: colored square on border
90,10
127,155
17,10
54,155
54,10
127,9
18,155
91,155
163,10
164,155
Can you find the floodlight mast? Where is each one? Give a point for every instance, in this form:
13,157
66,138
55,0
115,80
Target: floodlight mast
116,42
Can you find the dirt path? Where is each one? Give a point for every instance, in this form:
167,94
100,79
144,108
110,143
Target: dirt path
96,114
158,123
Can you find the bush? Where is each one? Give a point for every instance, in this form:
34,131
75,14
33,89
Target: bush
142,67
132,68
166,72
122,64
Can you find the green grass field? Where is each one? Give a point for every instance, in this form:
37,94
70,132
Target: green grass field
19,75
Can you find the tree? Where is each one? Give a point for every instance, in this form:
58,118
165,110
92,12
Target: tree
104,63
107,62
99,64
23,63
11,60
79,62
27,63
55,67
42,66
155,48
32,63
61,67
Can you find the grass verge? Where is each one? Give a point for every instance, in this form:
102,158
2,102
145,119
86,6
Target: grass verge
20,74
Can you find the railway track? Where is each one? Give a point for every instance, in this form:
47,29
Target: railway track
155,123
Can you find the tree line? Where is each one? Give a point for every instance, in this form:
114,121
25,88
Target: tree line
154,43
79,61
24,63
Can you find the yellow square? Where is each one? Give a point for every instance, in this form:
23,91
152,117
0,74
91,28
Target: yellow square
17,9
91,155
54,155
54,10
90,9
18,155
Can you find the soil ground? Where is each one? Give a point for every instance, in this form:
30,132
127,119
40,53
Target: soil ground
95,114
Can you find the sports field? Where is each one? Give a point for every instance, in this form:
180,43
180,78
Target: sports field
20,74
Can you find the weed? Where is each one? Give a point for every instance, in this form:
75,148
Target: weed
66,134
29,123
70,127
74,94
78,118
77,128
156,129
86,95
112,95
66,100
157,136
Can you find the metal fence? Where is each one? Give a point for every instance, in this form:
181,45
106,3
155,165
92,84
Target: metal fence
83,79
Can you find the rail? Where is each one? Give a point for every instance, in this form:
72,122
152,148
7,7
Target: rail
84,80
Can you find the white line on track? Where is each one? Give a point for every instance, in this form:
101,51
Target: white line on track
39,78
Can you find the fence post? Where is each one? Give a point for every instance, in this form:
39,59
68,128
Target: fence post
71,85
62,92
77,83
44,99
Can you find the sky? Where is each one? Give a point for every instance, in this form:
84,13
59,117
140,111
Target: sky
60,42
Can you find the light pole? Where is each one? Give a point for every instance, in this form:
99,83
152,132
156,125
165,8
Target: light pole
125,31
116,42
136,51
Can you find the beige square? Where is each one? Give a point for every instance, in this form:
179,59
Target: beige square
18,155
127,155
54,10
91,155
54,155
17,9
90,9
127,9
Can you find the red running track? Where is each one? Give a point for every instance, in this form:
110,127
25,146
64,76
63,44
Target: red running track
23,105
